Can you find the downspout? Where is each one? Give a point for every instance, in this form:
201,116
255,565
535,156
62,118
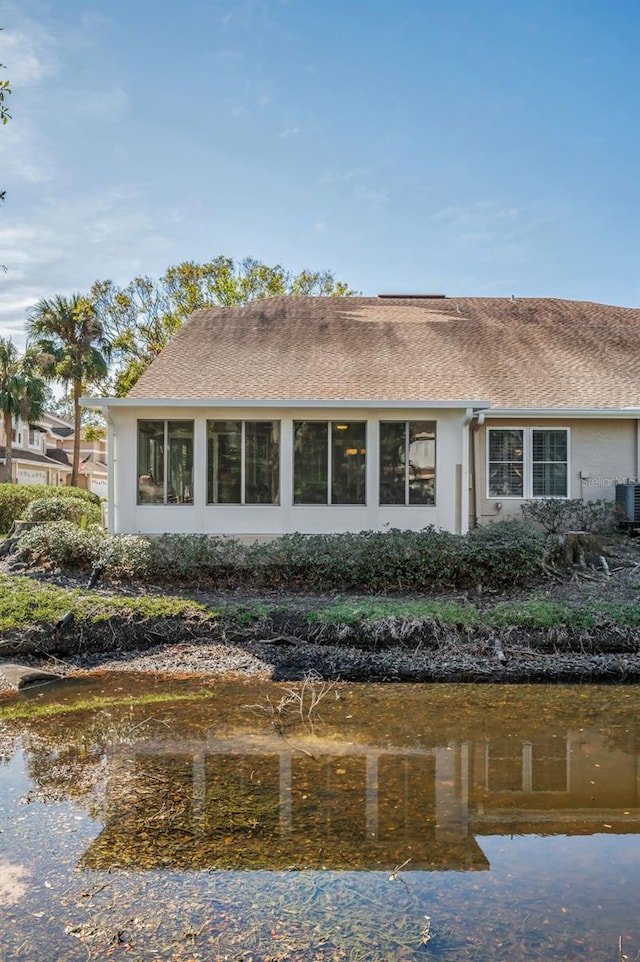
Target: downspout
638,451
464,480
475,459
111,488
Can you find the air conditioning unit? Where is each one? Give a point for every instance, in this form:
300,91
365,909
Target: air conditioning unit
628,503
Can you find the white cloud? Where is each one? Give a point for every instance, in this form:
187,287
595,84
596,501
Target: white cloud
290,132
29,56
68,243
24,156
104,105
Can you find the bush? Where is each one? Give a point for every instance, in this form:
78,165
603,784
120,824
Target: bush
14,499
124,557
63,509
61,544
559,515
506,553
189,556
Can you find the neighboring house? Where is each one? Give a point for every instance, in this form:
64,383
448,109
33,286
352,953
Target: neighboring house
42,452
346,414
93,469
37,455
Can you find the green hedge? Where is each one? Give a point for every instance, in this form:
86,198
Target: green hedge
78,510
14,499
503,554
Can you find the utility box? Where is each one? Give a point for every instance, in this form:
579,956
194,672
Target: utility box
628,503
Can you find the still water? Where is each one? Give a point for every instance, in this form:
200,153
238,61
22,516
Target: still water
149,819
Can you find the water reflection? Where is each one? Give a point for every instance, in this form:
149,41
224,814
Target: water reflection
366,783
497,811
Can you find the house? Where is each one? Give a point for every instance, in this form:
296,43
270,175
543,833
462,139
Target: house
37,454
92,467
347,414
42,453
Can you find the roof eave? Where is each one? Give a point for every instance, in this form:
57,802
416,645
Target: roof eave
105,403
625,412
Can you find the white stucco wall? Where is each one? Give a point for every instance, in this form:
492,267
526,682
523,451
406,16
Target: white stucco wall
603,452
254,520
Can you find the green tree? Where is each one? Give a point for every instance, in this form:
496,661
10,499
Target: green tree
22,393
73,349
142,317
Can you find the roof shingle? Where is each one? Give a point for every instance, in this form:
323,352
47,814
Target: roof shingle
517,353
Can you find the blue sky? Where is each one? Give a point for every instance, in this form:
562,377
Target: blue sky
470,147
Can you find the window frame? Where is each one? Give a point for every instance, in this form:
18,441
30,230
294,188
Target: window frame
329,422
527,463
407,464
243,465
165,503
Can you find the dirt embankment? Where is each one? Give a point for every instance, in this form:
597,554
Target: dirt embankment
287,640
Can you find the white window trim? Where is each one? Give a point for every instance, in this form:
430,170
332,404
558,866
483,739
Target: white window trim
527,463
243,466
165,503
329,503
407,445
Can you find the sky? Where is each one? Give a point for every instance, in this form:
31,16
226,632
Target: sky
464,147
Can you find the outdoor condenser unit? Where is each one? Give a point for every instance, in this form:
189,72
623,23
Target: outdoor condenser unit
628,502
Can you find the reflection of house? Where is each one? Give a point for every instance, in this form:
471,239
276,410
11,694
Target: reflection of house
225,803
349,414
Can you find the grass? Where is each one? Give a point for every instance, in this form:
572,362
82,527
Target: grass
535,613
25,603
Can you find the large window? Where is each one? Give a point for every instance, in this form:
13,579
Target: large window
408,462
528,463
165,462
243,462
329,462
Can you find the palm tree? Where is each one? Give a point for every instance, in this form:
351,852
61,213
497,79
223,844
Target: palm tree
22,393
73,349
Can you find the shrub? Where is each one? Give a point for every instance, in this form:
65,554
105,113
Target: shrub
178,556
559,515
63,509
60,544
14,499
124,556
504,553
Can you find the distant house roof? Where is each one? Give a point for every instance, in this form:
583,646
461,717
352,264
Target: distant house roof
517,353
57,454
18,454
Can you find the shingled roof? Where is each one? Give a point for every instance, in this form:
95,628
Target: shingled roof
516,353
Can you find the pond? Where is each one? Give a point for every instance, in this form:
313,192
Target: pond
146,818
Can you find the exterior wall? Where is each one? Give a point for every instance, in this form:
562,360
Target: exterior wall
602,453
255,520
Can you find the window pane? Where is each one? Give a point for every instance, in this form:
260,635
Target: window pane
549,480
549,445
506,481
224,444
180,462
310,462
550,454
506,445
150,462
393,436
348,455
262,462
506,463
422,462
